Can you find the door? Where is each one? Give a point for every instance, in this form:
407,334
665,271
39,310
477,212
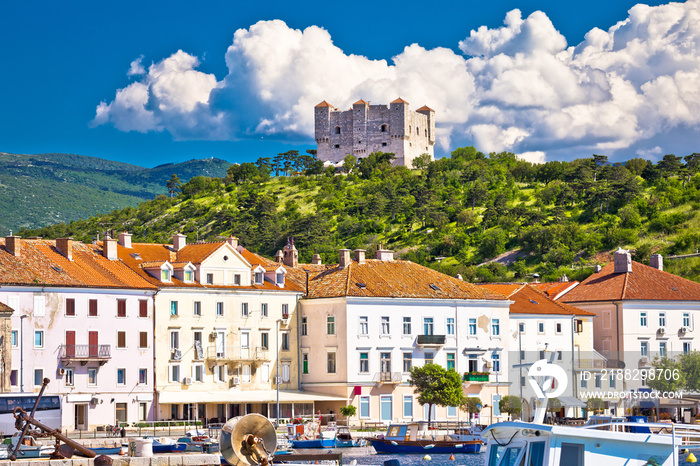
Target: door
220,343
245,345
93,344
81,417
385,365
70,343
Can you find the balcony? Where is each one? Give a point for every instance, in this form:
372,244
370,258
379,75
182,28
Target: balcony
476,376
381,378
85,353
258,354
430,340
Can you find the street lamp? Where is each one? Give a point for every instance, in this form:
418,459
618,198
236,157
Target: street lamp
21,352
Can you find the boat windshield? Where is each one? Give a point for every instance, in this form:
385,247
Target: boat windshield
504,456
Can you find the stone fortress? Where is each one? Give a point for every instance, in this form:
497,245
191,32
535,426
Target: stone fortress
369,128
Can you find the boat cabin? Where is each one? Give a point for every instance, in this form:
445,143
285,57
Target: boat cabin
402,431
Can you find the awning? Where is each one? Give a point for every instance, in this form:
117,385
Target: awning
571,402
244,396
676,403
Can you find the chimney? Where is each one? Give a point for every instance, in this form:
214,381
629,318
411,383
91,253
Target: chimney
125,239
459,276
564,279
179,241
233,241
623,261
657,261
109,248
316,259
279,257
360,256
13,245
344,259
597,268
536,276
383,254
65,247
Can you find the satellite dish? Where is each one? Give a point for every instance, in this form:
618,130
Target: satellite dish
248,440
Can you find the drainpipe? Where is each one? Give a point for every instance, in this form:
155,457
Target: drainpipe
573,356
21,352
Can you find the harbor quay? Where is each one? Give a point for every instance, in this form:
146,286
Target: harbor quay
190,459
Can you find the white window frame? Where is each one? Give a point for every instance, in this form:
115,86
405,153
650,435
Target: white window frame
386,325
171,372
14,338
121,370
220,309
643,319
41,379
495,327
407,326
197,308
364,325
540,327
43,339
662,319
244,310
450,326
69,379
304,326
263,309
471,327
198,373
334,360
409,399
143,376
330,324
366,401
39,309
366,362
92,370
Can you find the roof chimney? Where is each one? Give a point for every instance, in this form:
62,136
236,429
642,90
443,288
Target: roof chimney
536,276
623,261
597,268
344,259
564,279
65,247
179,241
316,259
360,256
383,254
109,248
125,239
13,245
657,261
279,257
459,276
233,241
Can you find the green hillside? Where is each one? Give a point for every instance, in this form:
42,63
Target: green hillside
455,214
44,189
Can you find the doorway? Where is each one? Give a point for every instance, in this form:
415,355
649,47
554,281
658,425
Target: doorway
81,416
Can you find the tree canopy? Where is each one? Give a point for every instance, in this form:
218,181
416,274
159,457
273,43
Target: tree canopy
436,385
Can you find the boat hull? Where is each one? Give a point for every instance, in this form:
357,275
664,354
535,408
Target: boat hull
315,443
424,446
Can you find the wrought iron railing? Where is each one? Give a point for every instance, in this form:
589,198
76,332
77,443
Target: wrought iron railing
86,351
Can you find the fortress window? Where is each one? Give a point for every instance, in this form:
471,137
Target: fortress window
383,128
417,132
384,144
337,130
337,146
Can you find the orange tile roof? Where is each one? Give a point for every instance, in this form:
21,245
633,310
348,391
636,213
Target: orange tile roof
324,104
386,279
553,289
197,252
5,308
40,263
528,299
643,283
425,107
399,101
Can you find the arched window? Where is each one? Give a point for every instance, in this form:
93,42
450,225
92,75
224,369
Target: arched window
417,131
383,128
337,130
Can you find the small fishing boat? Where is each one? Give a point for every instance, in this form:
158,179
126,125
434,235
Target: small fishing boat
199,443
29,448
343,439
309,435
103,451
403,438
167,445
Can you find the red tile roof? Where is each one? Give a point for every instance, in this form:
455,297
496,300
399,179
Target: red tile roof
324,104
643,283
361,102
554,289
386,279
5,308
425,107
529,300
40,263
399,101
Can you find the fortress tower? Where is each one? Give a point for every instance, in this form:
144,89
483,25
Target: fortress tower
366,128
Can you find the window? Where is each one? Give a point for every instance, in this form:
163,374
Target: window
473,363
597,382
121,339
330,325
197,309
337,130
406,325
198,349
305,363
92,308
70,307
662,319
189,276
385,326
285,311
495,362
265,340
612,382
70,378
495,327
407,362
364,362
38,377
383,129
220,373
286,371
210,279
175,373
92,376
364,407
279,278
407,406
143,376
244,309
164,275
143,308
427,325
304,326
540,327
429,357
450,325
237,279
336,146
584,382
644,348
364,325
285,341
173,308
143,339
121,376
472,326
451,411
174,339
450,361
121,307
686,319
521,327
643,319
265,373
558,327
219,309
198,373
662,349
14,337
38,338
263,310
39,306
14,378
258,276
330,362
687,347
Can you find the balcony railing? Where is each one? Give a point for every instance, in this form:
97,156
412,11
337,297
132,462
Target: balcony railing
86,353
388,377
476,376
431,340
237,354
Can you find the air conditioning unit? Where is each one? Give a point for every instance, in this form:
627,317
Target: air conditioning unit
662,330
685,330
235,380
94,400
212,336
61,371
187,381
176,354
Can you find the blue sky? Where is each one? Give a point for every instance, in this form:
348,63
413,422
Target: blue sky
519,85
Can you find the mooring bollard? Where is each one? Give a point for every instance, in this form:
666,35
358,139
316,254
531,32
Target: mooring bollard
103,460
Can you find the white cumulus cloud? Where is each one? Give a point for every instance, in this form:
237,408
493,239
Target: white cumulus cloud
518,87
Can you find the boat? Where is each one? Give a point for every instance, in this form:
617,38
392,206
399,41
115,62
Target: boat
403,438
199,444
103,451
343,439
29,448
309,435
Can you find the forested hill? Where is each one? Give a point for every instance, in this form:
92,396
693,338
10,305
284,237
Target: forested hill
452,214
44,189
